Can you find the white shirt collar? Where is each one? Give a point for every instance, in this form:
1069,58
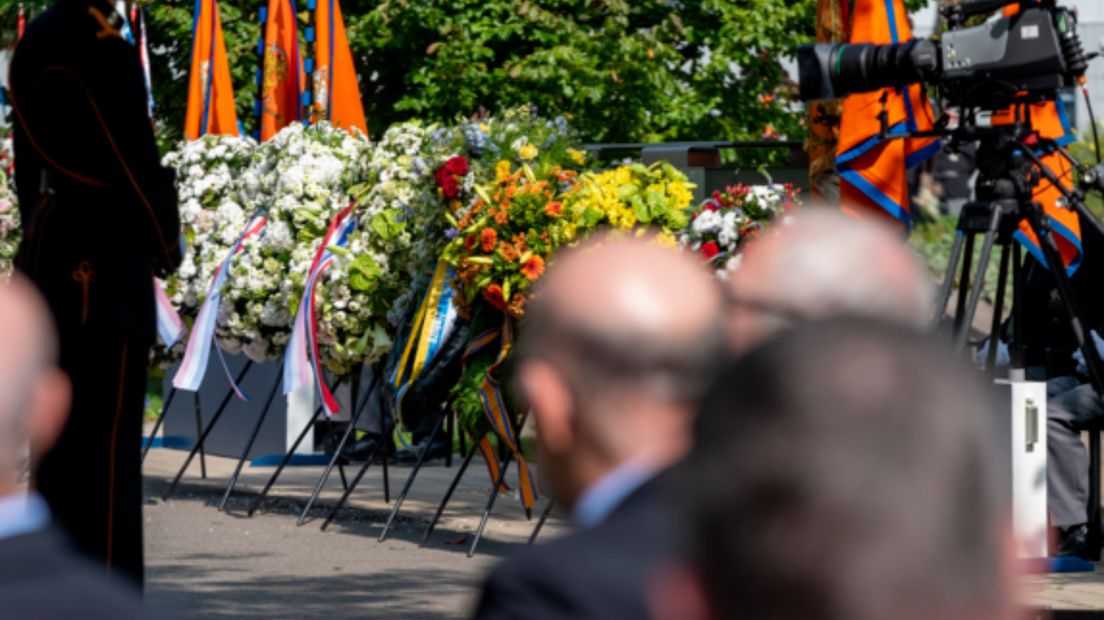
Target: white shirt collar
22,513
604,496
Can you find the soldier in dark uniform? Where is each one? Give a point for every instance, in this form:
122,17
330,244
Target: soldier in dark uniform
100,220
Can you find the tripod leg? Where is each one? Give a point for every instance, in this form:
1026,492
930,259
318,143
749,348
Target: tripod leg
386,479
341,445
199,429
1015,347
450,424
964,281
448,494
252,438
540,522
998,310
388,441
157,425
349,489
494,493
207,431
948,278
413,474
978,287
287,459
1092,360
490,504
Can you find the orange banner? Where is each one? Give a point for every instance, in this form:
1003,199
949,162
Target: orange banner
1049,120
283,83
873,178
210,92
336,92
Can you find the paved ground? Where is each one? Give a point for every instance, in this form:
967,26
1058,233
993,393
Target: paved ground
202,563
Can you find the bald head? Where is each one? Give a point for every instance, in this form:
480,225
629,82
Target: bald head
33,393
633,288
825,264
615,354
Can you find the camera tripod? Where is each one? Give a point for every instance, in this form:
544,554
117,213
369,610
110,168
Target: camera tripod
1009,171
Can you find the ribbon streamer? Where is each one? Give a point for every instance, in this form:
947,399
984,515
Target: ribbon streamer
194,366
497,414
170,327
301,360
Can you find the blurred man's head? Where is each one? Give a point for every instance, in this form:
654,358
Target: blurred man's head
34,394
845,472
823,264
616,354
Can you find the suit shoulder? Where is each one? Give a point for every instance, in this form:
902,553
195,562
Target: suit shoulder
45,578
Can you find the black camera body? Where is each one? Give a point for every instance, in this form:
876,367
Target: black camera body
1023,57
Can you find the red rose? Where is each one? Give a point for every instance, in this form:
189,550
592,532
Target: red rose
709,249
447,176
469,242
457,166
450,189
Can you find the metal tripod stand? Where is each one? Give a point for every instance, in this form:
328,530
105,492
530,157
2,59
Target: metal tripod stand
1009,171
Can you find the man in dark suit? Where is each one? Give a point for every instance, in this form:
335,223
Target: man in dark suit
845,471
40,575
100,219
616,352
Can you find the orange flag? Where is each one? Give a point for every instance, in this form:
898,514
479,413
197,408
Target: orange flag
873,180
336,93
282,86
210,92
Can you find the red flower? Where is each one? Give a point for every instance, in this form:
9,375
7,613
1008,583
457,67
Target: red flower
533,268
469,242
488,238
447,176
709,249
457,166
493,295
450,189
553,209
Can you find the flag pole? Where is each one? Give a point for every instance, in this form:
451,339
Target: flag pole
258,102
823,122
309,63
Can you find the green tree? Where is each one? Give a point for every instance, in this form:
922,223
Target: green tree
620,70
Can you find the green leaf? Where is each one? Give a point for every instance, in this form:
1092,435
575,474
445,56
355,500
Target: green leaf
363,274
385,227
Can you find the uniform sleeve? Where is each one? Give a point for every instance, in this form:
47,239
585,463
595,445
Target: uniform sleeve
118,96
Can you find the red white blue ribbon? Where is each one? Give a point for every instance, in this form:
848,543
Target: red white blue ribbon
170,327
301,360
194,366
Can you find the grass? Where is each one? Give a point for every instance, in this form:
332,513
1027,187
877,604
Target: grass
154,401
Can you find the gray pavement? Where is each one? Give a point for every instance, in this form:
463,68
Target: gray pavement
201,563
